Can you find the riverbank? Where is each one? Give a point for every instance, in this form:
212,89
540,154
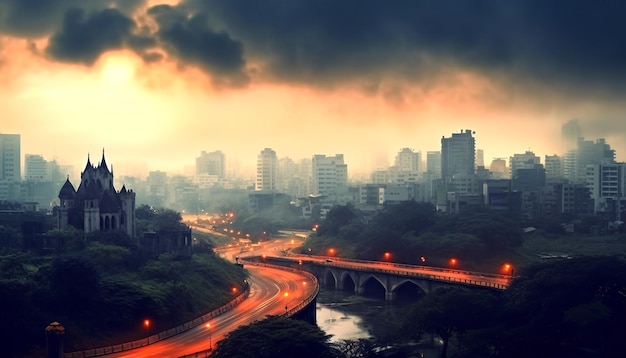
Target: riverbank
346,316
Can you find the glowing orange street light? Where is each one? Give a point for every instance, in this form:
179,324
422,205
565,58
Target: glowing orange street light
508,268
286,294
387,255
234,290
331,251
146,323
452,262
208,326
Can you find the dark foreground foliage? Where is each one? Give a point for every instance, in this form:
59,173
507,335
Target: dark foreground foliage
276,337
101,288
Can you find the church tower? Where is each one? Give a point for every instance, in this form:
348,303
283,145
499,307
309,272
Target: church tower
96,205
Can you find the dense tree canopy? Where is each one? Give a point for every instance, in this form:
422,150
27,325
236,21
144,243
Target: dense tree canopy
276,337
564,308
449,311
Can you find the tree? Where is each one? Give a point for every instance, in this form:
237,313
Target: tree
336,218
450,310
277,337
570,308
407,217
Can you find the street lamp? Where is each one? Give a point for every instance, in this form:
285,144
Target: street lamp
508,268
387,255
286,294
146,323
208,326
453,262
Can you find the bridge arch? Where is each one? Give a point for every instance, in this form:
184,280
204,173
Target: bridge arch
348,282
330,279
371,285
407,290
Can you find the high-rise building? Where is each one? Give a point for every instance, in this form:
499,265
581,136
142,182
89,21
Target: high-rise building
266,170
607,185
498,168
458,155
294,177
330,176
433,163
408,160
480,158
527,160
586,153
35,168
212,163
10,167
554,167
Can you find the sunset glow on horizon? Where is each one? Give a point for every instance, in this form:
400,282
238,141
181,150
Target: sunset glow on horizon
155,84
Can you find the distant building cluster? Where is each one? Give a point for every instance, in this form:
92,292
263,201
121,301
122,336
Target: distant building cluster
583,179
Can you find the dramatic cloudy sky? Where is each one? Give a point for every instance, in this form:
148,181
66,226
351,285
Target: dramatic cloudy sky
156,82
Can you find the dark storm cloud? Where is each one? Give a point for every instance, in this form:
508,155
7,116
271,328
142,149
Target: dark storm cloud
35,18
568,45
335,40
84,36
569,42
189,37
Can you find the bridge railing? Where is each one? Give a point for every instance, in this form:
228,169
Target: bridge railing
479,278
161,335
434,276
420,267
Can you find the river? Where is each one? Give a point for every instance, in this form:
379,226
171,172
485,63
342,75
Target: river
346,316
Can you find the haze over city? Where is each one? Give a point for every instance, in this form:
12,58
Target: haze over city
154,83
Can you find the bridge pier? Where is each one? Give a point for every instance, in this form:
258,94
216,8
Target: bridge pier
390,296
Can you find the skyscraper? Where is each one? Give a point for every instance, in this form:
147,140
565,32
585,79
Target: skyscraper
433,163
330,175
554,167
266,170
586,153
408,160
211,163
458,155
10,167
527,160
36,168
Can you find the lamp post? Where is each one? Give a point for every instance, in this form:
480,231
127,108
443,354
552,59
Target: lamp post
208,326
286,294
146,323
387,255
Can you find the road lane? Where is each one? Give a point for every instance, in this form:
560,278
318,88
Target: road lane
267,288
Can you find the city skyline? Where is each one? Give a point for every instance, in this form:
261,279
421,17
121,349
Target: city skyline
154,83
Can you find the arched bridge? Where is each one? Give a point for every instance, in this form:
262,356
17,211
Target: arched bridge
361,275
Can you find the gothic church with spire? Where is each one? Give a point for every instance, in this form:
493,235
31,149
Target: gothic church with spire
96,205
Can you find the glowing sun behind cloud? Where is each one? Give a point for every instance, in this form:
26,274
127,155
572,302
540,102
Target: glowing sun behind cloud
117,68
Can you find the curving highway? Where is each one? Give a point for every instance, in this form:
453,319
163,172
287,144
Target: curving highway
267,297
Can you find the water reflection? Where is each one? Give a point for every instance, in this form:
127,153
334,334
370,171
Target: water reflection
341,325
346,316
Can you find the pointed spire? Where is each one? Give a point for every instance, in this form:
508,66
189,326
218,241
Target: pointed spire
103,162
88,164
